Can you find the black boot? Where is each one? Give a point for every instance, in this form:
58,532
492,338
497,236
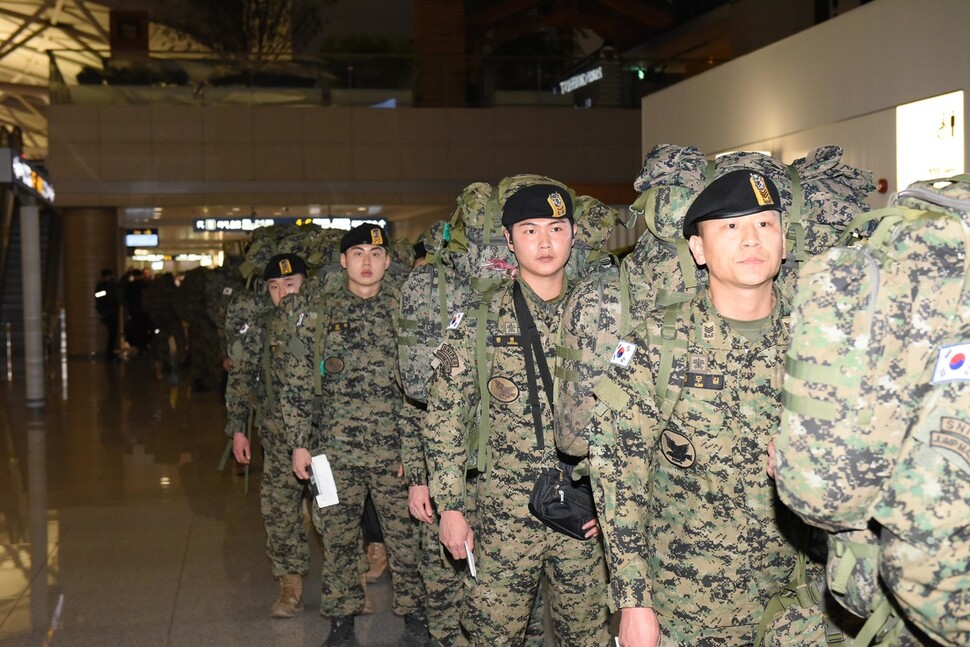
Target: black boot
341,632
416,630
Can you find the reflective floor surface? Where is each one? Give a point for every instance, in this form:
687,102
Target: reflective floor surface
117,528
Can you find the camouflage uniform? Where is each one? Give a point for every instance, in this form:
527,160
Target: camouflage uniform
220,285
513,549
691,519
204,354
253,333
160,299
362,422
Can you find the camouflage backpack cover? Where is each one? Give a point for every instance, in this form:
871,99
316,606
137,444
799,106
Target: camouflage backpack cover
820,196
876,428
471,257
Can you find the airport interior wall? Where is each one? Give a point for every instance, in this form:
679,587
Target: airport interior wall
836,83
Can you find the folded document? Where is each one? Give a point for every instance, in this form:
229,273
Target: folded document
321,482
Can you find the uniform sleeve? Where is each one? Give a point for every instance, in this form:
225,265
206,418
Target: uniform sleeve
412,447
621,432
293,369
244,341
452,399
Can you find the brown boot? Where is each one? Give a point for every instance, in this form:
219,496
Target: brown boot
291,597
377,557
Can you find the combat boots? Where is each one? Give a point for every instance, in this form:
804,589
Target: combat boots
341,632
377,558
291,597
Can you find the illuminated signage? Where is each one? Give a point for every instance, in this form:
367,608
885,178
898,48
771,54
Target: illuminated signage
580,80
21,175
141,238
249,224
929,139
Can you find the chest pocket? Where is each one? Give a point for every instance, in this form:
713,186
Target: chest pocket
507,384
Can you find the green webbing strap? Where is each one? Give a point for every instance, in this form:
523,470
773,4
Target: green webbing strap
442,299
813,372
267,368
796,228
319,340
624,300
880,620
709,171
809,407
569,353
669,345
483,368
564,375
686,260
778,603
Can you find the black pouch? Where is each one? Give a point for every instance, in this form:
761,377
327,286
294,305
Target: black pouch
561,503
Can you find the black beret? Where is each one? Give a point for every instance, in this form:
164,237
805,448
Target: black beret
537,201
283,265
365,234
734,194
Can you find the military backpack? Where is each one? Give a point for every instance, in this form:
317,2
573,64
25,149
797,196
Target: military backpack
875,437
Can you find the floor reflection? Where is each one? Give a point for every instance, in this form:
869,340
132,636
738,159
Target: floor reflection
116,527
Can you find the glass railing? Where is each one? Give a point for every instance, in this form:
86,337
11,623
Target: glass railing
345,79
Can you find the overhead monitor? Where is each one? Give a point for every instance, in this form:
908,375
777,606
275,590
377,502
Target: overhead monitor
141,238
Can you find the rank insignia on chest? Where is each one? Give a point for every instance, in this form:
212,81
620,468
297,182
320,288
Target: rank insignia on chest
505,340
272,348
340,325
704,381
708,331
698,364
623,353
456,320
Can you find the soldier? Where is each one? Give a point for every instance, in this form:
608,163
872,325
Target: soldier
253,336
513,550
106,304
696,538
345,343
168,346
205,357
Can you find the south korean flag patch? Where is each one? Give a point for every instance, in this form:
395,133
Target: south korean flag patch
456,320
623,353
952,364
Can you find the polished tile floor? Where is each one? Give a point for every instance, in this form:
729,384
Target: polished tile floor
117,528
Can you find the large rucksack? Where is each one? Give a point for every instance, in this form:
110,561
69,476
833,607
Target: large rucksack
820,195
472,258
876,422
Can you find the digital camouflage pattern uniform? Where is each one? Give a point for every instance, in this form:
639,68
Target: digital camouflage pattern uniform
691,519
205,357
513,549
363,421
220,285
252,334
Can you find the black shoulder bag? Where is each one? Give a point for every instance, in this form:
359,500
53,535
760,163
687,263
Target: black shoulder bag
557,500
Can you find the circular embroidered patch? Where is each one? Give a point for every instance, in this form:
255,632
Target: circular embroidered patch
677,449
334,365
503,389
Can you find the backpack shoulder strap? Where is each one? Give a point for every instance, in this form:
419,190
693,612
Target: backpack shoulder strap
673,341
484,354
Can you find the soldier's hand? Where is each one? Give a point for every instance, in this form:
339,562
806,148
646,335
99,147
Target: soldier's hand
770,467
639,627
592,528
240,448
454,532
301,463
419,503
227,363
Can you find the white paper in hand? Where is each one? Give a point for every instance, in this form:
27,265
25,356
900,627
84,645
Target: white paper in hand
321,478
471,561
